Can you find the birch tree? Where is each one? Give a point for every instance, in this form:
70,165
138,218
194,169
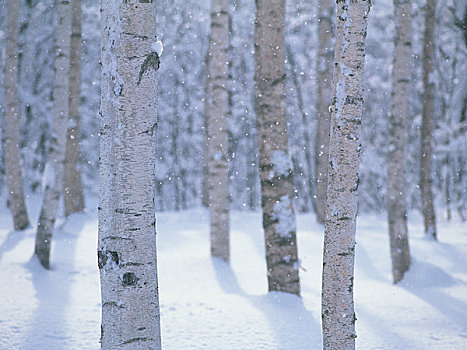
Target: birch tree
73,187
274,162
53,174
324,71
426,177
13,116
216,112
127,228
338,314
396,181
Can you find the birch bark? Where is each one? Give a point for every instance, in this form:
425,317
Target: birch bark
217,105
396,182
72,184
12,129
338,314
53,173
127,228
426,178
274,161
324,69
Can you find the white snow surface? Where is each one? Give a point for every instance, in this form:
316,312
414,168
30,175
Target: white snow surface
207,304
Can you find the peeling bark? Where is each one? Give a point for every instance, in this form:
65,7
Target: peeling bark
127,229
337,304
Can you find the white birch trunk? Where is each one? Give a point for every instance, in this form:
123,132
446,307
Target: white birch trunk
324,69
396,182
12,129
338,314
426,177
72,184
53,173
127,232
274,161
217,109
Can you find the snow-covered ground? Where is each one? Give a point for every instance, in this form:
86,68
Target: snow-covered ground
207,304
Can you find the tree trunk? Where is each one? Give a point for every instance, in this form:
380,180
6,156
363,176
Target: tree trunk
12,123
217,104
396,182
251,166
426,178
127,231
448,191
305,133
205,181
274,161
324,70
338,314
53,173
72,184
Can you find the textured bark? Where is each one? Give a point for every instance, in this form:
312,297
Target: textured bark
324,69
217,109
53,174
12,113
426,177
274,161
127,228
396,182
338,314
72,184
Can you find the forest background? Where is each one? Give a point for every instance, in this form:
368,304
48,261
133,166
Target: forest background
180,139
180,160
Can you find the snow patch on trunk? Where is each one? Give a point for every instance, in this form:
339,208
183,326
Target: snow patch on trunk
281,164
284,214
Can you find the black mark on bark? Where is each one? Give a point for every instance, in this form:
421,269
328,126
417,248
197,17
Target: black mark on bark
133,340
151,61
129,279
102,258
